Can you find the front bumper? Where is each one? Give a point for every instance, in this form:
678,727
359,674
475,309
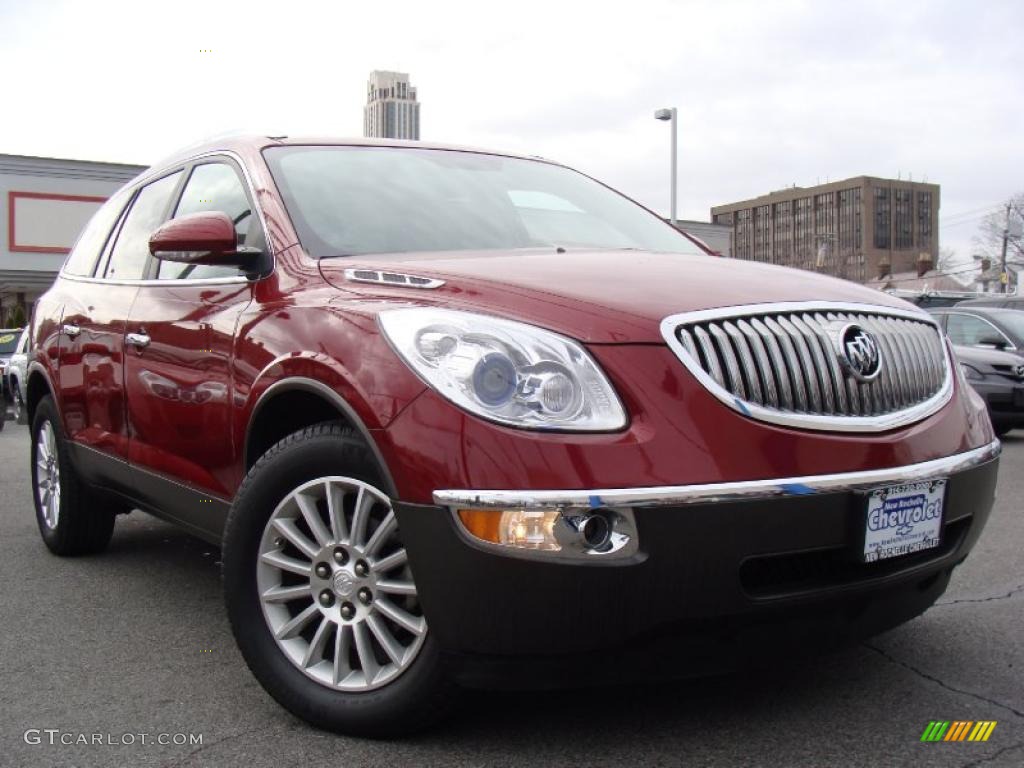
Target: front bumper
723,572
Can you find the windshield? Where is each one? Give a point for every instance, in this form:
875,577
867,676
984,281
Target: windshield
8,341
357,200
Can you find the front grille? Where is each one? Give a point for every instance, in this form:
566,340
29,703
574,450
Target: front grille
783,363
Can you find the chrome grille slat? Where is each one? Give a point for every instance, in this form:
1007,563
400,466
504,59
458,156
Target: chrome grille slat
708,348
782,363
885,380
778,364
818,323
820,362
764,365
807,371
793,364
746,362
732,365
902,361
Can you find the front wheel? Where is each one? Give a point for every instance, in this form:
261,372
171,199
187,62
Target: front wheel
320,592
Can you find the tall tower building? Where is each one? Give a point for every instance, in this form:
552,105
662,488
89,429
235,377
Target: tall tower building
391,110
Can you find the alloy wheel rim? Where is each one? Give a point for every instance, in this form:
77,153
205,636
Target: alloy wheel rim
48,475
335,585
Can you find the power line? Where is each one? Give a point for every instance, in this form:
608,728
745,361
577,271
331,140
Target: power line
983,209
936,274
950,225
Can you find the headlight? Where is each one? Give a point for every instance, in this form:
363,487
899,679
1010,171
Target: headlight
505,371
971,373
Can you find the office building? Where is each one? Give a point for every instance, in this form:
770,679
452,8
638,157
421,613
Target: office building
861,229
391,110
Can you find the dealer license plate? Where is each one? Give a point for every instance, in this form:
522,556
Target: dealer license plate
902,519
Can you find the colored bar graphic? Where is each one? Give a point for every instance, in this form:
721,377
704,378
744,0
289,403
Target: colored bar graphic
935,730
958,730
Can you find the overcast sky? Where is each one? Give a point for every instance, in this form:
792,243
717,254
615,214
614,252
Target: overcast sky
770,93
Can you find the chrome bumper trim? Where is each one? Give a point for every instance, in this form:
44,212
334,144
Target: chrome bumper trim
715,492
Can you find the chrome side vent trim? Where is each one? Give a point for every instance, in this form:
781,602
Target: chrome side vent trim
400,279
817,365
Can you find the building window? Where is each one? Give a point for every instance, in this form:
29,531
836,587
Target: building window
903,199
924,219
804,233
762,230
882,219
743,234
858,210
782,247
825,231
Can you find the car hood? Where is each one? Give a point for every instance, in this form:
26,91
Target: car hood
988,359
602,296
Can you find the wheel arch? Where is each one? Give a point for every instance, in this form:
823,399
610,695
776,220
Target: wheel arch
296,402
37,386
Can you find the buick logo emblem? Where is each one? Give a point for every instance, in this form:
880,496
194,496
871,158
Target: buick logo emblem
344,584
859,353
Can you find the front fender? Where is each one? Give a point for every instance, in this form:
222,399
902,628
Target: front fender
322,349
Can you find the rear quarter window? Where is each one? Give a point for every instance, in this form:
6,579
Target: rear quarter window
81,262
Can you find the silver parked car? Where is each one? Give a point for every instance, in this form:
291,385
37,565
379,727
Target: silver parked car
14,375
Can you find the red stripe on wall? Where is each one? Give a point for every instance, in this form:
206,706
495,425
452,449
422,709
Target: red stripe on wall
12,241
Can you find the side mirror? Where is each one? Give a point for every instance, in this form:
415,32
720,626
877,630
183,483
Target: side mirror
994,341
207,237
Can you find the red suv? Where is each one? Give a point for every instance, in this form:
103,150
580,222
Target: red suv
465,418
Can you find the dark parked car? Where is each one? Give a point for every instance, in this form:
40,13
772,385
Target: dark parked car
465,418
983,327
999,378
996,300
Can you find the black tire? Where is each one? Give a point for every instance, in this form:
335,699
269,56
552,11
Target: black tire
418,697
1002,431
84,524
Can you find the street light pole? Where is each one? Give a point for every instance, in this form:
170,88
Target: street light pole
671,116
1004,279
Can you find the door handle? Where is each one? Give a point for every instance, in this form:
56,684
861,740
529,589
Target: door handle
72,330
137,340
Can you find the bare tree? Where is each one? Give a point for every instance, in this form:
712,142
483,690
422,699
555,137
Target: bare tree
948,261
989,239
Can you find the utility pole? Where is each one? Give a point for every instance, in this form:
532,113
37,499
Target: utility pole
1004,279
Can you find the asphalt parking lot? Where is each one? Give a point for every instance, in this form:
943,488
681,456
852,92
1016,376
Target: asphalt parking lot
135,641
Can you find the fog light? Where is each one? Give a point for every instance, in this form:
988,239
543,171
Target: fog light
514,527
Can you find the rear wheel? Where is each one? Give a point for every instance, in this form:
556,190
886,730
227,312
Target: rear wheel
320,593
71,519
